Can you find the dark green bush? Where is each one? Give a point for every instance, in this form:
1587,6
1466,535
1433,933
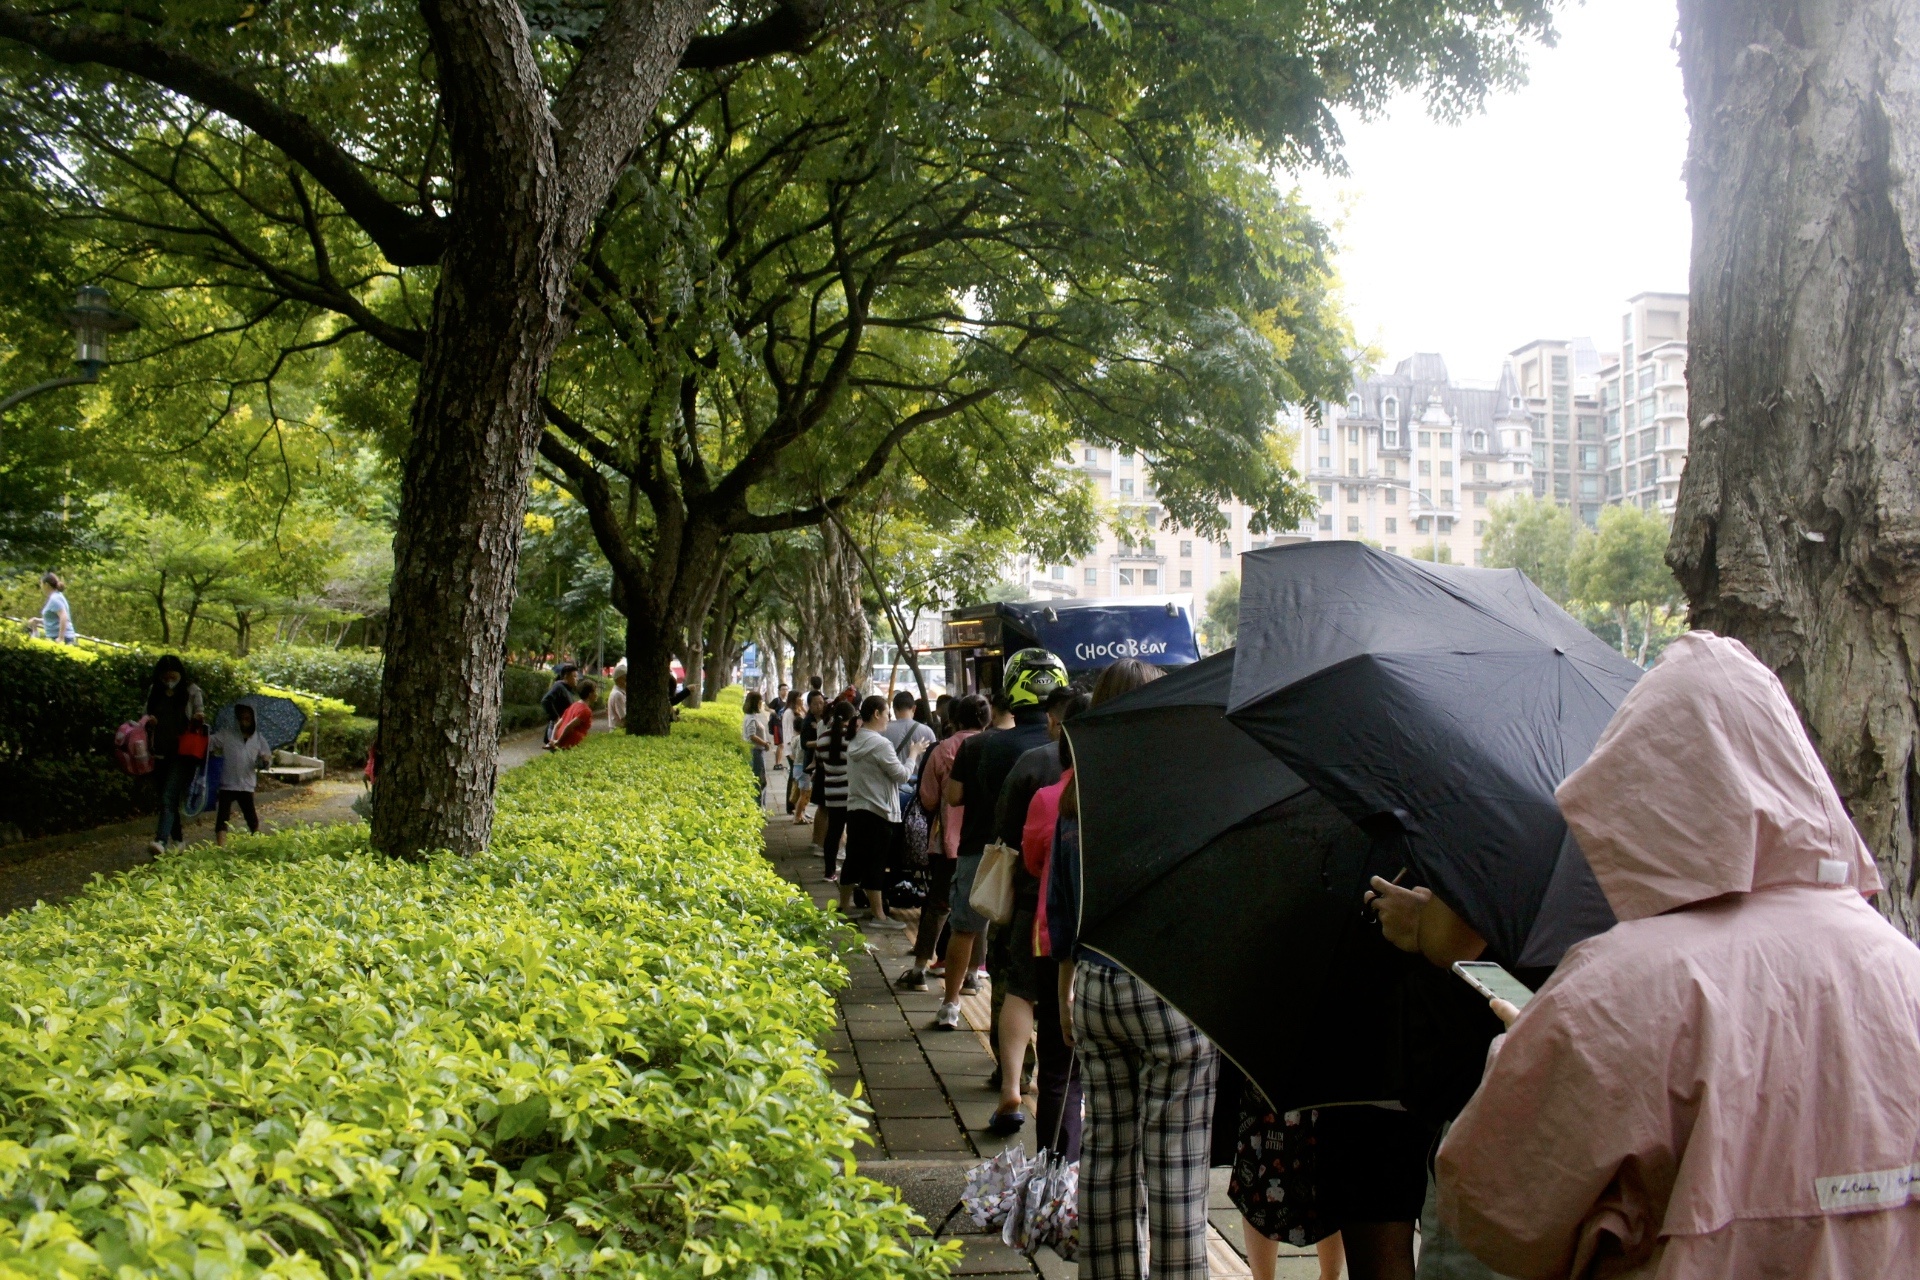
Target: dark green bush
524,684
59,707
351,675
344,740
515,716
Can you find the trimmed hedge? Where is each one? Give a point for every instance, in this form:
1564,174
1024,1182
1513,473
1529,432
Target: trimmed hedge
586,1050
351,675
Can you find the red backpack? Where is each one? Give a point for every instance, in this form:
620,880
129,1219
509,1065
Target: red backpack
130,748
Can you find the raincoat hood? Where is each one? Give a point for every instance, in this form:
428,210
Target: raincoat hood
1704,784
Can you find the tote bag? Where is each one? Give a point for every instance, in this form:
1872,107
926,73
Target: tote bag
992,894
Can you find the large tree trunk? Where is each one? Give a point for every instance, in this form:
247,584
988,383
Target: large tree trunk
649,677
1798,528
529,176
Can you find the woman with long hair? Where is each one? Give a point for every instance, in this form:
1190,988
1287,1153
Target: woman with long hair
842,717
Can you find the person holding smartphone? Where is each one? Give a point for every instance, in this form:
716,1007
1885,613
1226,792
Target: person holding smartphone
1724,1083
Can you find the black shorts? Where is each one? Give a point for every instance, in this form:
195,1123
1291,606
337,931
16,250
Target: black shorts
1016,970
1300,1177
869,841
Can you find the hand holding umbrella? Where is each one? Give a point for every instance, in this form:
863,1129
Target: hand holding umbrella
1419,923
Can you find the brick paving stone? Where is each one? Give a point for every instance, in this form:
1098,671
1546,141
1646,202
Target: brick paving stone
875,1032
901,1075
987,1256
873,1051
908,1137
912,1104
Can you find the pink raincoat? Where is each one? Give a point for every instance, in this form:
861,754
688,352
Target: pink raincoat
1727,1083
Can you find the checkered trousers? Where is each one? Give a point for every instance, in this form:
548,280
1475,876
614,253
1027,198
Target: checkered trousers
1149,1076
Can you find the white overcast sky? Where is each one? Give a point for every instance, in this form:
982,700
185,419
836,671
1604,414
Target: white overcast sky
1537,218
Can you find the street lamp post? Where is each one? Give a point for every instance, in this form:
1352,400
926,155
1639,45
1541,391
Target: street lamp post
91,317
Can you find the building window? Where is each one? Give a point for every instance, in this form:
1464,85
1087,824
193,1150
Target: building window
1560,399
1186,548
1560,427
1353,524
1326,524
1519,468
1326,493
1539,454
1326,435
1390,409
1613,484
1479,497
1446,467
1666,435
1393,495
1479,471
1353,435
1353,493
1391,439
1425,440
1479,442
1559,457
1479,528
1426,467
1125,577
1426,495
1446,439
1092,577
1560,368
1646,442
1423,525
1393,525
1326,463
1353,406
1589,428
1226,551
1446,497
1589,486
1150,577
1393,467
1126,486
1186,577
1590,513
1393,551
1059,573
1353,466
1560,488
1446,524
1090,454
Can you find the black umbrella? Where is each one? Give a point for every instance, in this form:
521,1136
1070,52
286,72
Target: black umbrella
279,720
1221,880
1438,706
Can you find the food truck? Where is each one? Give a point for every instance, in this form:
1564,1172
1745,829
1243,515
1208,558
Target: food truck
1087,635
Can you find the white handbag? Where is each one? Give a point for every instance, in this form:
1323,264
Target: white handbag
992,894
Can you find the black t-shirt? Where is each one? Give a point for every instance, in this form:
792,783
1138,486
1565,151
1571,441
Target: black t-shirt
557,699
1035,769
981,769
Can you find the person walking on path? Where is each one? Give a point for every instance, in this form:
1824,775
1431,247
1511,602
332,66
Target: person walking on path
969,716
576,722
242,752
1149,1077
176,706
978,773
559,696
1724,1083
754,728
874,775
56,618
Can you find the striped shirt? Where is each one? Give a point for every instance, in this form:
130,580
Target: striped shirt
833,764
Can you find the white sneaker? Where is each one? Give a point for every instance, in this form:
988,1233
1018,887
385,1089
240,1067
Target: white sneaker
886,922
948,1019
156,848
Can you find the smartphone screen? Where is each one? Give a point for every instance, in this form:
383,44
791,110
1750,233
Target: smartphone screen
1493,982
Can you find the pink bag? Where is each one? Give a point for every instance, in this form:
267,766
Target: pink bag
130,749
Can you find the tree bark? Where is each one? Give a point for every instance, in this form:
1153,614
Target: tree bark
1798,527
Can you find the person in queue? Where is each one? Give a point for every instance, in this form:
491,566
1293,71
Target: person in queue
969,715
978,773
841,728
1724,1084
874,775
1149,1076
174,705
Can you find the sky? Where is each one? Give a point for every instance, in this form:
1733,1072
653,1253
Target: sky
1535,219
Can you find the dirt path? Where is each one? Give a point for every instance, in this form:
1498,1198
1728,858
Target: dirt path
58,867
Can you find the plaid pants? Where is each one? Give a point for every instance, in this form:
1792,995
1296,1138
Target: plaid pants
1149,1076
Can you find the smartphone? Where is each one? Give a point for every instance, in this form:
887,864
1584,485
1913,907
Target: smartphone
1493,982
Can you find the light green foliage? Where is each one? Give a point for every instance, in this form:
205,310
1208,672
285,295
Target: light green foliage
587,1049
1221,626
1621,568
1535,536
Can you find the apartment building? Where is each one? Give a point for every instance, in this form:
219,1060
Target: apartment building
1559,386
1413,460
1161,562
1643,397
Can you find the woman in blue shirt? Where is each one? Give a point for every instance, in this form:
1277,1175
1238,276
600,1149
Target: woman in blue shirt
56,619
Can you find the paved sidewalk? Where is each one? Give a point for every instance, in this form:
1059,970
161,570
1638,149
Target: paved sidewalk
928,1089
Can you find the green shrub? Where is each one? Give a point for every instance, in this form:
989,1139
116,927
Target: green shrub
59,707
524,684
351,675
515,716
587,1049
344,740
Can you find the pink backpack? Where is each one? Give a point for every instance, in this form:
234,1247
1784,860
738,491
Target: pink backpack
130,748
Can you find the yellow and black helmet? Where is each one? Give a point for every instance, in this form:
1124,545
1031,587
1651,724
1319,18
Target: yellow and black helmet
1031,675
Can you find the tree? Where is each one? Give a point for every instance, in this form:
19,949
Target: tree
1798,526
309,159
1221,627
1536,536
1622,565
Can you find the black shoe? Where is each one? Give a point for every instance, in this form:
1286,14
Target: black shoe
993,1081
1006,1123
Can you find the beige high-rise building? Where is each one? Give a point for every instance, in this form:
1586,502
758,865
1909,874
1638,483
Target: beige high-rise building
1557,381
1643,395
1413,461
